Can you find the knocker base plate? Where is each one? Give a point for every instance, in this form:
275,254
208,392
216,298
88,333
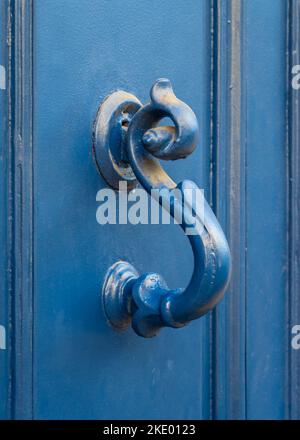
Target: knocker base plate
110,138
116,296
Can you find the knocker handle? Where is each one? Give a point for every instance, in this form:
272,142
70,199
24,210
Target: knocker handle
130,152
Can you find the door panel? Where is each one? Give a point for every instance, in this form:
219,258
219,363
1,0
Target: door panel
267,213
59,359
251,329
83,50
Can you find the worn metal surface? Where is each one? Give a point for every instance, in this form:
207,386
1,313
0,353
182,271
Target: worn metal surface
109,135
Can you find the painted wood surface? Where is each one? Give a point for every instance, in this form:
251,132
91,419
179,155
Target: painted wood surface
228,60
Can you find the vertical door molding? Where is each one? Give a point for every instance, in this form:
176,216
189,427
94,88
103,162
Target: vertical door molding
228,174
248,178
293,153
5,220
21,204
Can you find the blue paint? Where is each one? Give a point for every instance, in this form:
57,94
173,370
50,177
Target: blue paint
100,373
61,358
228,188
266,200
293,373
251,364
5,224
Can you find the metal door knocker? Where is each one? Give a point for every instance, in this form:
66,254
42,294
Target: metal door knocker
127,145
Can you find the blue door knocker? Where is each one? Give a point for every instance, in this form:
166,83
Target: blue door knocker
127,145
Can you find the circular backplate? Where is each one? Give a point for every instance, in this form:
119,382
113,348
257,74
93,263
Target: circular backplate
109,138
116,294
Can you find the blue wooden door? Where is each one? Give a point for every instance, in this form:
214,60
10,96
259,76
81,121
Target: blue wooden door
59,358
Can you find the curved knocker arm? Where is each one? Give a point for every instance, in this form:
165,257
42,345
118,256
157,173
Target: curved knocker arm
146,300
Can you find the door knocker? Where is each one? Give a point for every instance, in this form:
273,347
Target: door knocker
127,145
